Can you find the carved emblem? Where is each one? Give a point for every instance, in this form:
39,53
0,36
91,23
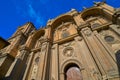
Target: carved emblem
68,51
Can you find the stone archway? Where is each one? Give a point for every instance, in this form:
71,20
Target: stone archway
72,72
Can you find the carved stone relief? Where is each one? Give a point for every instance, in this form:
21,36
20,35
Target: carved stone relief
44,46
34,72
68,52
87,31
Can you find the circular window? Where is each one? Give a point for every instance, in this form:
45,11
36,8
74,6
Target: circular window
37,59
109,38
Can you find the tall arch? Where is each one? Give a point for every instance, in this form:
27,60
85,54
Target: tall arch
60,19
61,26
95,17
91,12
34,37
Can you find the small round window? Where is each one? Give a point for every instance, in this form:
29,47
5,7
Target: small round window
109,38
37,59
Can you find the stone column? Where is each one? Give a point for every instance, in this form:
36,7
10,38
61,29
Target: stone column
28,66
54,63
77,18
43,69
18,67
62,76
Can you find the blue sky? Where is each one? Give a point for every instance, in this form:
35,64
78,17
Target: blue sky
14,13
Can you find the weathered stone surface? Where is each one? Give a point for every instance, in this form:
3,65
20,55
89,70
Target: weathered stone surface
73,46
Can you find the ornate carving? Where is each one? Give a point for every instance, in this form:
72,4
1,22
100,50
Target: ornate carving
68,51
34,72
44,46
87,32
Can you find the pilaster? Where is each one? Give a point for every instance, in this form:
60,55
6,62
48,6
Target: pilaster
104,62
54,63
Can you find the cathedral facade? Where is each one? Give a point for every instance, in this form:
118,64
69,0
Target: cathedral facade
74,46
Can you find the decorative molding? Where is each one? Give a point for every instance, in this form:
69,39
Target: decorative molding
23,47
78,38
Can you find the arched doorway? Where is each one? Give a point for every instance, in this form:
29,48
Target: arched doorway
72,72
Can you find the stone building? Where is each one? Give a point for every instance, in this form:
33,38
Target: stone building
74,46
3,43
